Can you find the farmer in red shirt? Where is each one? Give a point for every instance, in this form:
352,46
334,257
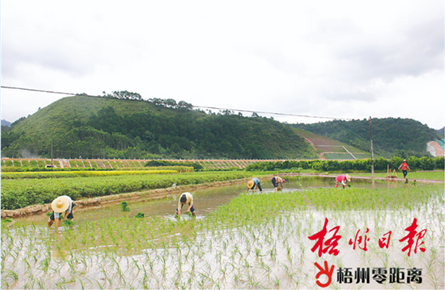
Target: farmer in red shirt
404,167
342,179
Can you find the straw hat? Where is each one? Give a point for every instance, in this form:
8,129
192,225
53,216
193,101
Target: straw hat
250,183
348,177
60,204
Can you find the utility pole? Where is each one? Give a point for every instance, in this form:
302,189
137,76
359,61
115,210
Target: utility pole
372,148
52,163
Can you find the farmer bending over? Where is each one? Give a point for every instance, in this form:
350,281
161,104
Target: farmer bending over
254,184
276,180
404,167
61,205
342,179
186,198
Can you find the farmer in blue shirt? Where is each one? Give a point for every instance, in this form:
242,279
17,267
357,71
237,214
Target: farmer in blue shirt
61,205
254,184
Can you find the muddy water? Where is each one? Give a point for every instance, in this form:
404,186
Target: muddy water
205,200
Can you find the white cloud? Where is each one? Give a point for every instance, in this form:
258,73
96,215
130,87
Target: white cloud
348,59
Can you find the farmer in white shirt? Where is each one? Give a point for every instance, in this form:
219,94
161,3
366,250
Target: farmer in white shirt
61,205
186,198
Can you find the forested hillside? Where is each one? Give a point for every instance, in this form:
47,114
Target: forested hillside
109,127
441,132
391,136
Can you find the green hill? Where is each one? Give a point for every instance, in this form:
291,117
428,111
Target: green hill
391,136
104,127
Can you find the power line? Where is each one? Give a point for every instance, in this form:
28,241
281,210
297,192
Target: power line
204,107
34,90
274,113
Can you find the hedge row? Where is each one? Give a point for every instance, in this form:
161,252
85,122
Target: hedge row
380,164
179,168
72,174
163,163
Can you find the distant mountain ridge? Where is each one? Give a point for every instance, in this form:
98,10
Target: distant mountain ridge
6,123
391,136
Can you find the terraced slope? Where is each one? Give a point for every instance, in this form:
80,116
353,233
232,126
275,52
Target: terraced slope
332,149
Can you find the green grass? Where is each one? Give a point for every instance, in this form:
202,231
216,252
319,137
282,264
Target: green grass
432,175
362,155
335,156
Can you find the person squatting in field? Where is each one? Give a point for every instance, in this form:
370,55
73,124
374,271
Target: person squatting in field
61,205
276,180
186,198
342,179
404,167
254,184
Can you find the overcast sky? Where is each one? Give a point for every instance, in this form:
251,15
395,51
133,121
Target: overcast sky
343,59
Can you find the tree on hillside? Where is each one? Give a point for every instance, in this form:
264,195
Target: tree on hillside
124,95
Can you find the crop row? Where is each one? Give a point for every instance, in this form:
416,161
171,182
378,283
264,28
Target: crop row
116,164
18,193
73,163
72,174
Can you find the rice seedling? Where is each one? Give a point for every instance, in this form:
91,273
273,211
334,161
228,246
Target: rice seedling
233,246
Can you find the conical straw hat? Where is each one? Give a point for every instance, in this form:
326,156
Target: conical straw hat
60,204
250,183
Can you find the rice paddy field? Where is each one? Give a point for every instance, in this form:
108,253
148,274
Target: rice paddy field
429,175
381,235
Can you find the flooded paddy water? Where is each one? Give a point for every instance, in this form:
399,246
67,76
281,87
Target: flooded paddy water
238,240
205,200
